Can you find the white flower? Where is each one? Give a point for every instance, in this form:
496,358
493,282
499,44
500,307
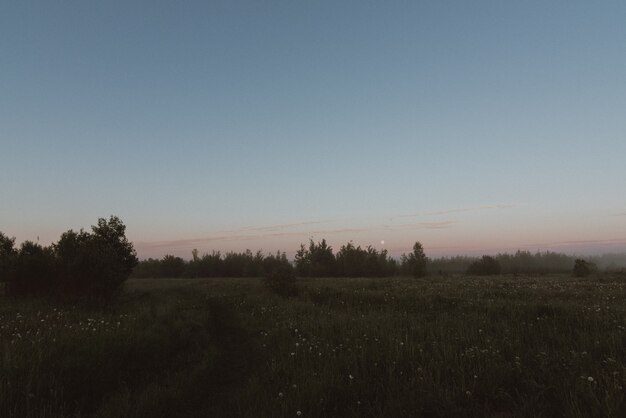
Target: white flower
298,413
590,379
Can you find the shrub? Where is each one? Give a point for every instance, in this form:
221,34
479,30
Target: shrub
92,264
282,280
486,266
34,271
583,268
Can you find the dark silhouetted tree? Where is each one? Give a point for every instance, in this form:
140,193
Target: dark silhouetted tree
415,263
34,272
486,266
112,255
583,268
303,261
8,254
316,261
172,266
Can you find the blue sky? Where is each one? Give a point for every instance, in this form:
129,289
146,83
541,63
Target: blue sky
473,127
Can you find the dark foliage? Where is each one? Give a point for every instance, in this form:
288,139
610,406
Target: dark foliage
34,271
245,264
486,266
354,261
318,260
415,263
583,268
315,261
172,266
520,262
81,264
281,280
8,255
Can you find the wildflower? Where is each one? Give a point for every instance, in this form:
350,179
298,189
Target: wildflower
280,394
350,376
590,379
298,413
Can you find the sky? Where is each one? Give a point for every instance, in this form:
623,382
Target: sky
472,127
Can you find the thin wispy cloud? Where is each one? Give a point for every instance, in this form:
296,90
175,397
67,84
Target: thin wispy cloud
240,237
615,241
456,210
266,232
280,227
422,225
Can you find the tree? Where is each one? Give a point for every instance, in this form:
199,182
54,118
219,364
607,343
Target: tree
303,261
113,255
486,266
351,261
419,269
8,253
583,268
415,263
322,259
94,264
316,261
34,271
73,261
172,266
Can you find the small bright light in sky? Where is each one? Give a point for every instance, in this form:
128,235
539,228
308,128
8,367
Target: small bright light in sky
228,125
382,242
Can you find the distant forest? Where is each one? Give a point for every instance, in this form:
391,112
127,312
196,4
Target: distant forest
319,260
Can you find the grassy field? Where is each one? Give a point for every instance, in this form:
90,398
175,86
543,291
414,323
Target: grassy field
505,346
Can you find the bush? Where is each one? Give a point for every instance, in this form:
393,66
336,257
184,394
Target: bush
34,271
282,280
486,266
584,268
92,264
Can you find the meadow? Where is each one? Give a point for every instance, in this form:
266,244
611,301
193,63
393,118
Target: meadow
368,347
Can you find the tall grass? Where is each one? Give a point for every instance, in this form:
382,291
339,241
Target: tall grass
504,346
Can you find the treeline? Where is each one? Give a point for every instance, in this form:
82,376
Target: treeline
521,262
81,264
314,260
231,264
318,259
